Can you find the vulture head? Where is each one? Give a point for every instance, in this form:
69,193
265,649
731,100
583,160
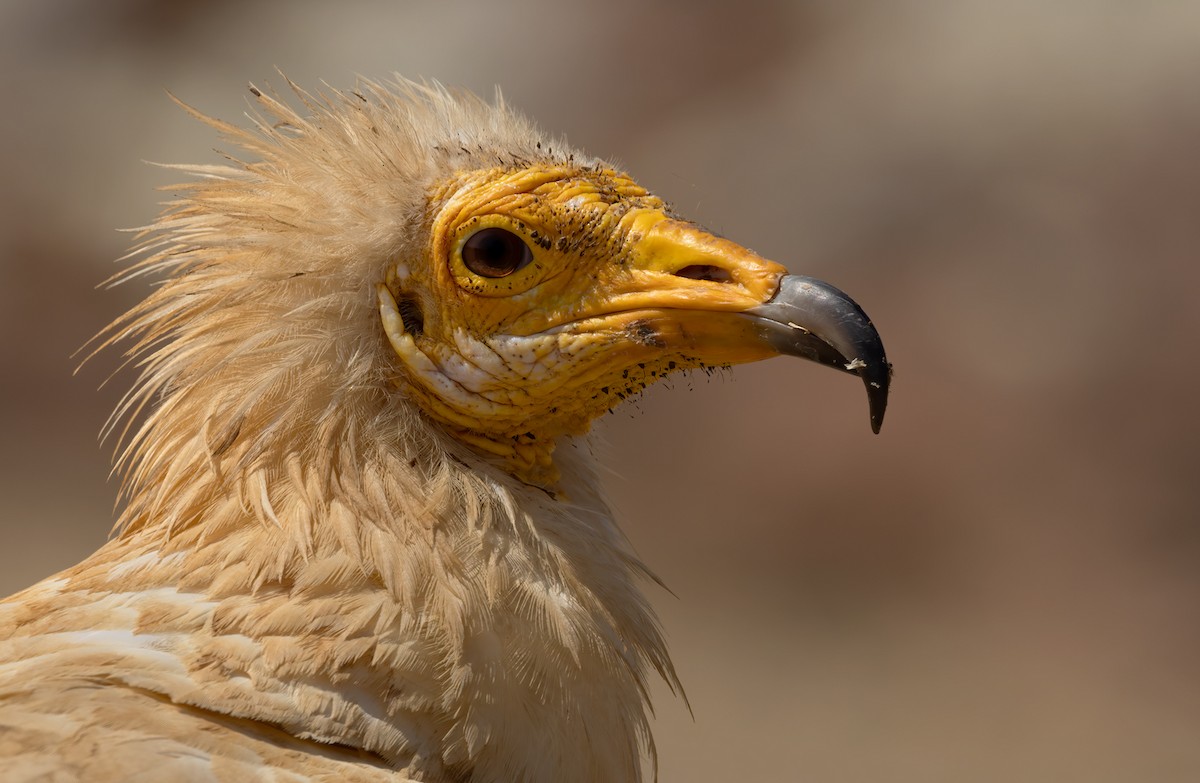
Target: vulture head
361,508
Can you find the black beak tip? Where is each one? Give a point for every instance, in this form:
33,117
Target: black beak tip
877,379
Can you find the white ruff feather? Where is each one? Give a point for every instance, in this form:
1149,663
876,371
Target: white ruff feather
308,576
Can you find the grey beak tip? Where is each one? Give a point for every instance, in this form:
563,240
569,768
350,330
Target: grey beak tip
814,320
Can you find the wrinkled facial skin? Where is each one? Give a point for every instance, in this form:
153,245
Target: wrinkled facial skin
617,294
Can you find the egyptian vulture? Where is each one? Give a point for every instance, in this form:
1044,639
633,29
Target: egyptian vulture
362,536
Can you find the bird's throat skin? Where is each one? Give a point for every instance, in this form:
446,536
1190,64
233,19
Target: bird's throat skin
619,294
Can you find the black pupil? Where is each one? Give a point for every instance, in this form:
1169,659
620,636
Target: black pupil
494,252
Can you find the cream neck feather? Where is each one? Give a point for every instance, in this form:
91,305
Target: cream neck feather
341,568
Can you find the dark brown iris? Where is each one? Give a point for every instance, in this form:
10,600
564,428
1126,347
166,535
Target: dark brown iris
494,252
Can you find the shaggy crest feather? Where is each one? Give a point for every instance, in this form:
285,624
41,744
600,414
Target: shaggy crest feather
357,581
362,535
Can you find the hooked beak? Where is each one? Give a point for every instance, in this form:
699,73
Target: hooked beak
719,302
813,320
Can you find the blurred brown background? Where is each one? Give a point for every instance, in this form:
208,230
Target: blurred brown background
1003,585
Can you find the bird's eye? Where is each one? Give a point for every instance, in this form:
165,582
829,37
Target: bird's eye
494,252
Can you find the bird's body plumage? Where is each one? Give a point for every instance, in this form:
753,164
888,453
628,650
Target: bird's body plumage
342,556
373,637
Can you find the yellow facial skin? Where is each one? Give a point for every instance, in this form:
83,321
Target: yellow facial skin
619,294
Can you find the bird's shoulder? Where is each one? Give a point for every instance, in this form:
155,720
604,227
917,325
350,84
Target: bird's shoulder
89,691
89,728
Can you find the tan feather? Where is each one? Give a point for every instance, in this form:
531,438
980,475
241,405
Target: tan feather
337,582
347,552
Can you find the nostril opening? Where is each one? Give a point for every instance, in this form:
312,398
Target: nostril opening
708,272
